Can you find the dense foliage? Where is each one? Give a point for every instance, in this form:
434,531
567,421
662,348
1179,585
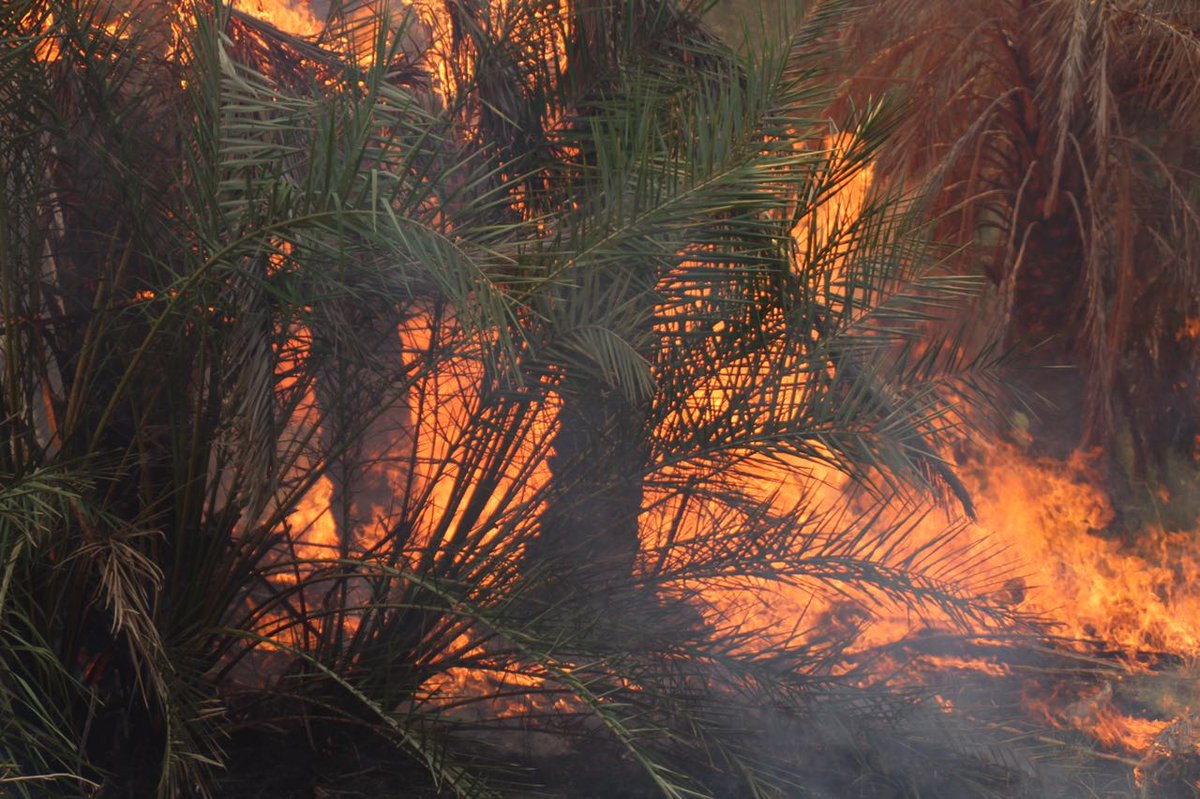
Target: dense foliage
1059,140
525,335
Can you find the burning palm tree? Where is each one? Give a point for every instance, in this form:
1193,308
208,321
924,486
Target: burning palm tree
599,308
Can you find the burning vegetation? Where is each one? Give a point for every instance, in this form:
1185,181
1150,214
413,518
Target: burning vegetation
542,398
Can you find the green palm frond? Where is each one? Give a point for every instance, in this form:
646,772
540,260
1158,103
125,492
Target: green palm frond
376,386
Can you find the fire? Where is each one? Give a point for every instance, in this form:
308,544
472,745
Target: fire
441,407
823,231
289,16
1050,514
1046,515
313,534
110,23
1096,716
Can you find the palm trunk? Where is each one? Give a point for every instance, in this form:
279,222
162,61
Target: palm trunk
590,525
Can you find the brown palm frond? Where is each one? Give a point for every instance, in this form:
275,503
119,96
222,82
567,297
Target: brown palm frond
1057,140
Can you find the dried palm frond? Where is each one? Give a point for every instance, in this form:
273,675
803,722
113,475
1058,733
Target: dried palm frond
1057,140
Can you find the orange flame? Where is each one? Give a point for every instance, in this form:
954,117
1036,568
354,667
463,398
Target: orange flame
1046,514
289,16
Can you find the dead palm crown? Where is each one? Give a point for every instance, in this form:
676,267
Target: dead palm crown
1059,140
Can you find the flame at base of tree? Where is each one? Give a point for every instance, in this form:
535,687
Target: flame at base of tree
1038,547
1037,550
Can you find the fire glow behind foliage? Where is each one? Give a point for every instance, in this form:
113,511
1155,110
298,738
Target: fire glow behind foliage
1139,602
1121,614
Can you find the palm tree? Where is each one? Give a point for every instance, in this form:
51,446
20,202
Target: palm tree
1058,140
225,277
157,196
668,185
